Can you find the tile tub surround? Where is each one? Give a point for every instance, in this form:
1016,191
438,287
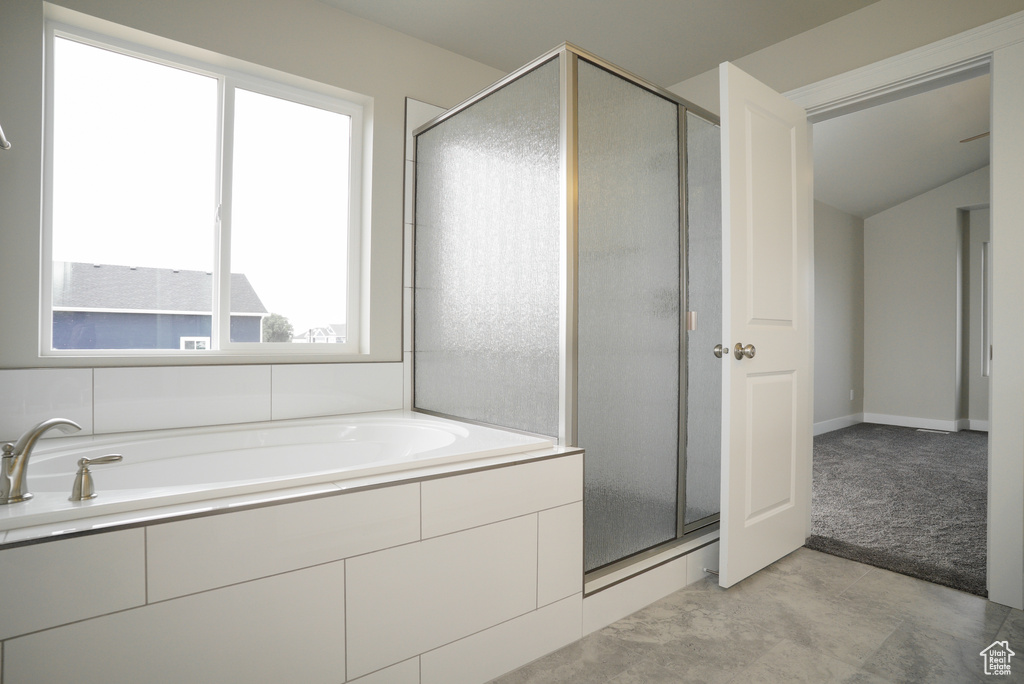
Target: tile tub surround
370,585
107,400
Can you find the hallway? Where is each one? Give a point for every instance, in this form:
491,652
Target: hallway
809,617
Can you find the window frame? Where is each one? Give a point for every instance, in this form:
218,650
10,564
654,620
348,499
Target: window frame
229,79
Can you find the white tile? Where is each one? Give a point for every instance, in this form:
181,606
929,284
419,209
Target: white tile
560,553
304,390
53,583
407,371
203,553
180,396
458,503
34,395
407,672
410,599
287,628
616,602
493,652
417,113
407,319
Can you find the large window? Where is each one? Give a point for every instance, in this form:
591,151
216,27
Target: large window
194,210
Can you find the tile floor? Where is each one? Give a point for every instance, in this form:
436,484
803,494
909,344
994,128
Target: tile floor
809,617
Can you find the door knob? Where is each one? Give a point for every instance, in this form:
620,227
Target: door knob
740,351
719,350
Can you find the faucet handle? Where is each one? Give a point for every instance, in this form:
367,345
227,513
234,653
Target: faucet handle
83,489
109,458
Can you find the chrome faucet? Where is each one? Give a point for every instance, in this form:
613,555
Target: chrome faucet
14,464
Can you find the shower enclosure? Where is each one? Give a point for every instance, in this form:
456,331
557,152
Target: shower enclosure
568,283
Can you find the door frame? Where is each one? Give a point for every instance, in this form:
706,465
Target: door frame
997,47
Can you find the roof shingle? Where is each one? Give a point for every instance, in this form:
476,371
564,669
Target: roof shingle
78,285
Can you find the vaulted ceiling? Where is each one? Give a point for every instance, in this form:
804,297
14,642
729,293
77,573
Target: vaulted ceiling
865,162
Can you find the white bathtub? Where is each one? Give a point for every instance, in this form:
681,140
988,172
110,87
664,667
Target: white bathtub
263,460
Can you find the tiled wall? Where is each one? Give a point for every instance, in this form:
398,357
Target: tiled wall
448,580
104,400
416,114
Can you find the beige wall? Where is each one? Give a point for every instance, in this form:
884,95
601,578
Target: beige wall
912,305
878,31
838,318
305,38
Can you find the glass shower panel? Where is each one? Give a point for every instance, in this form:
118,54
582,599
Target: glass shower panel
704,295
628,314
487,259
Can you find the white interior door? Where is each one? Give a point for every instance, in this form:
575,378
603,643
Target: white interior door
767,177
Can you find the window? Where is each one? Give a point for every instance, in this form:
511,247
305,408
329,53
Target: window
192,209
193,343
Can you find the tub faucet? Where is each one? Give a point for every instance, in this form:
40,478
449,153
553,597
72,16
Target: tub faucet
14,464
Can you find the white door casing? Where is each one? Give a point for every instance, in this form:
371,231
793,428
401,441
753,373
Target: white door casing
998,45
767,179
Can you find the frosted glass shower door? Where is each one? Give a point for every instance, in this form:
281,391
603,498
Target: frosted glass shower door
703,462
488,258
628,314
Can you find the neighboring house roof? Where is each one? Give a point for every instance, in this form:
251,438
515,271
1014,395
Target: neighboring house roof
330,330
106,287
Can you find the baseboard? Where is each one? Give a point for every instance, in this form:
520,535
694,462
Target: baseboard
911,422
837,423
979,425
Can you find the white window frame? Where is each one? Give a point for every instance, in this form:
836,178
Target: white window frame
229,79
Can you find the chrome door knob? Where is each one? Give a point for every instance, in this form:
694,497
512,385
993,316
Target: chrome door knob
740,351
719,350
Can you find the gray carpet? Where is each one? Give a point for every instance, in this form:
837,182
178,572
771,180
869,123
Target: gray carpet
904,500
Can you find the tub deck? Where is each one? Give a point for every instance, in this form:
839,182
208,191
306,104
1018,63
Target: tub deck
171,473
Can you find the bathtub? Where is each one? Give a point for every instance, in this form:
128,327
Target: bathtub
175,472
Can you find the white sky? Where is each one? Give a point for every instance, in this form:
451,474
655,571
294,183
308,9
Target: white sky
135,179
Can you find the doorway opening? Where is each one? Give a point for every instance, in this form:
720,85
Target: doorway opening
900,332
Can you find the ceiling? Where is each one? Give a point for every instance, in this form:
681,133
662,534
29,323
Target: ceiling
874,159
663,41
864,162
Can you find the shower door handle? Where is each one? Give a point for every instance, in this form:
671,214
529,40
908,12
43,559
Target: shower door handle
741,351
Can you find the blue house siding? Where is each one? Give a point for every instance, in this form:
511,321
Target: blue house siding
108,330
246,329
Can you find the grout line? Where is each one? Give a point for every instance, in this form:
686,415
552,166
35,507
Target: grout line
498,624
344,612
419,669
537,583
995,634
855,582
143,606
271,397
145,564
